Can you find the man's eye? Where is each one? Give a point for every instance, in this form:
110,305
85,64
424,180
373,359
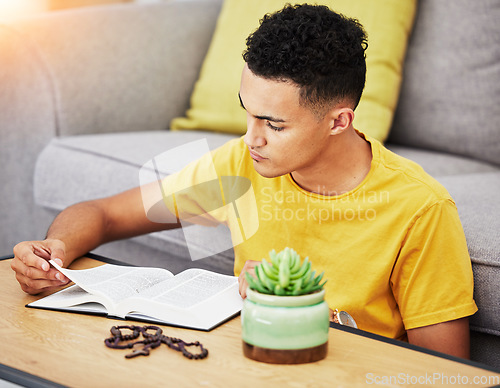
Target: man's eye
274,128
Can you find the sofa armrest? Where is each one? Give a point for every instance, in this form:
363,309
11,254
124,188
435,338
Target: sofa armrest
125,67
27,124
114,68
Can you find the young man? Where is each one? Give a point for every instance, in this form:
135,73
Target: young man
386,234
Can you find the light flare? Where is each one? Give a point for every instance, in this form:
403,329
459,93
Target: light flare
14,9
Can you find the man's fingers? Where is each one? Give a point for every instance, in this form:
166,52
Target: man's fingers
32,254
57,250
242,280
33,271
58,254
35,286
243,286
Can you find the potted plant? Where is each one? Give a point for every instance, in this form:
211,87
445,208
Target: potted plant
285,319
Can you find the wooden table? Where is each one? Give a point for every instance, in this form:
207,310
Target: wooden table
41,347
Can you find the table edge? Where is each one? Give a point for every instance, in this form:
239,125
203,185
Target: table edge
420,349
24,379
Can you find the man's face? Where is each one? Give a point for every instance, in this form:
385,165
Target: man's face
282,136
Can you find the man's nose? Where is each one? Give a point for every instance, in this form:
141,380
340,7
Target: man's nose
255,135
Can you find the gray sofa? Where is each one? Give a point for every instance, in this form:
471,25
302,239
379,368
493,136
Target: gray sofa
87,96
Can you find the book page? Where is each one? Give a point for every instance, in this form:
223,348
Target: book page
195,298
189,288
70,297
116,282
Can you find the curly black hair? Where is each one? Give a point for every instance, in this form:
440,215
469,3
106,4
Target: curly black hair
321,51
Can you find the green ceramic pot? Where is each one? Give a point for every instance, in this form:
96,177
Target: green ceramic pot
285,329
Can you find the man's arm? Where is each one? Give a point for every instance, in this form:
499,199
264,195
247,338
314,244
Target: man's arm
83,227
450,337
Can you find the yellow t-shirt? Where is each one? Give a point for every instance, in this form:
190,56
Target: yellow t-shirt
393,249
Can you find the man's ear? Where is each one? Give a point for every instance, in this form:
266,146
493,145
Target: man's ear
341,119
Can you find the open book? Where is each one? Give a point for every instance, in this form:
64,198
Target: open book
194,298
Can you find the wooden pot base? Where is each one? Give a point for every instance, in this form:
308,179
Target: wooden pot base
285,356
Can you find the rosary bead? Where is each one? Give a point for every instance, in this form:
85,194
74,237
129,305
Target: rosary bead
150,341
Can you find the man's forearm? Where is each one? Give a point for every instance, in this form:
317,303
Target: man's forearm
82,228
85,226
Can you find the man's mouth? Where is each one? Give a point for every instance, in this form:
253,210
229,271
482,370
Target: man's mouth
255,156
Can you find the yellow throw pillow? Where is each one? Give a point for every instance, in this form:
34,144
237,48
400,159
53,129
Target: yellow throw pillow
215,105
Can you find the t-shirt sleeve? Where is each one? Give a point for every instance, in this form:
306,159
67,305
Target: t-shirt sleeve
202,192
432,279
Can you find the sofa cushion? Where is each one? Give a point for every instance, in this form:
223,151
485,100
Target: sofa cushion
79,168
449,95
475,196
484,349
214,102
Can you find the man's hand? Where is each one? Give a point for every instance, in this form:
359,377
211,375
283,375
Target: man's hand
248,267
33,271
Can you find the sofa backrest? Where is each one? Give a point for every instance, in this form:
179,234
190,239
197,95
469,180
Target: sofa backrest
114,68
449,99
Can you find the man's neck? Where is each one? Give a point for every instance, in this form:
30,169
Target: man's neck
346,163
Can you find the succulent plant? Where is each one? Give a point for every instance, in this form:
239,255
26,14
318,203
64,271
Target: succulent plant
286,274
